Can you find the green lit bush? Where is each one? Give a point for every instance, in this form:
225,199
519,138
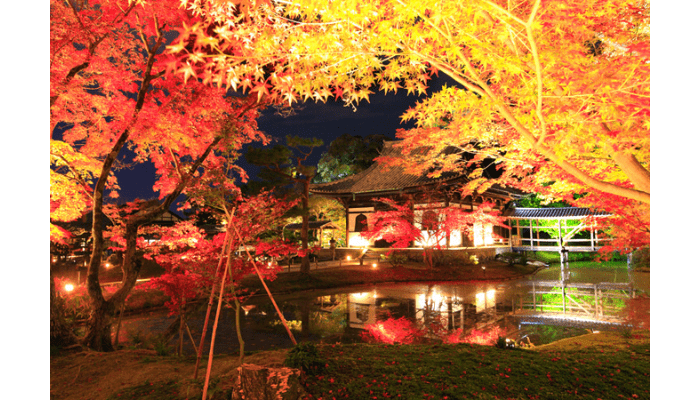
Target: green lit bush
305,356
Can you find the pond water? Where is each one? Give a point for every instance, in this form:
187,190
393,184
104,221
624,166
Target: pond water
474,312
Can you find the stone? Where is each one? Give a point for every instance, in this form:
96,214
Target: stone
537,263
256,382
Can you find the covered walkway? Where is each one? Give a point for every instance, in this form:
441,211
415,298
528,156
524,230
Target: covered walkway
552,229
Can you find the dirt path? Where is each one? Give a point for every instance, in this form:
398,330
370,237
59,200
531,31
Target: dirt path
89,375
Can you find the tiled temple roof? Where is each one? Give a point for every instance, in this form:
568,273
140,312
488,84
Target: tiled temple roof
552,213
380,178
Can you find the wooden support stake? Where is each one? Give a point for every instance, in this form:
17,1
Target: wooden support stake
227,242
274,303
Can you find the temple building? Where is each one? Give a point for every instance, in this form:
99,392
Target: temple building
359,195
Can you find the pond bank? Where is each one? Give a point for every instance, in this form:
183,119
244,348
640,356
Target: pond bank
330,278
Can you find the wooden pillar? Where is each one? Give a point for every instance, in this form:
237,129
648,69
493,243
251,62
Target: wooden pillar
449,234
450,315
595,301
347,226
563,296
561,238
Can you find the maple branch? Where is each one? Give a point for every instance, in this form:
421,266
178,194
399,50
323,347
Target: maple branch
538,70
175,164
91,49
83,185
506,13
549,153
426,19
451,72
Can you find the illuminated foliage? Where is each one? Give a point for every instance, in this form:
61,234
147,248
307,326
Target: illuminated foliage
112,102
553,92
400,226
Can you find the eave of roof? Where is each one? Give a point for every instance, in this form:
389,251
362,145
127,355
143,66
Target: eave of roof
553,213
378,179
313,225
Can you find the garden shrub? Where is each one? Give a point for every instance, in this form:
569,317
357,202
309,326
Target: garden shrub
397,259
512,258
641,259
305,356
451,259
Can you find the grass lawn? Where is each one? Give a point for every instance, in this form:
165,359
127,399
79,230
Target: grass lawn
608,365
598,369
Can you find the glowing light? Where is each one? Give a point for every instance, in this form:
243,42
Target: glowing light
356,240
490,298
374,265
358,296
434,301
349,258
480,301
107,266
69,287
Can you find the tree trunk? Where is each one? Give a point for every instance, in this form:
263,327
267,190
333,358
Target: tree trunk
98,333
99,325
263,383
305,266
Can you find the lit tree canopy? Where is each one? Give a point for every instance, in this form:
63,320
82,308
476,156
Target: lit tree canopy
111,93
558,92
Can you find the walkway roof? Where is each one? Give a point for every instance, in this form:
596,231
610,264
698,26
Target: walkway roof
553,213
313,225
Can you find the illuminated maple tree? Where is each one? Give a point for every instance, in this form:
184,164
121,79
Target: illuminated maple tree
112,102
430,225
557,93
192,260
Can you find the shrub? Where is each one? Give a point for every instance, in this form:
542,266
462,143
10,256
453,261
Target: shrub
512,258
160,345
397,259
641,259
305,356
451,259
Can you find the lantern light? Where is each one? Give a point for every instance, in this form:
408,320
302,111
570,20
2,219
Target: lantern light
69,287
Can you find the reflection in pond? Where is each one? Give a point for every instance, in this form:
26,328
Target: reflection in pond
399,313
406,313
